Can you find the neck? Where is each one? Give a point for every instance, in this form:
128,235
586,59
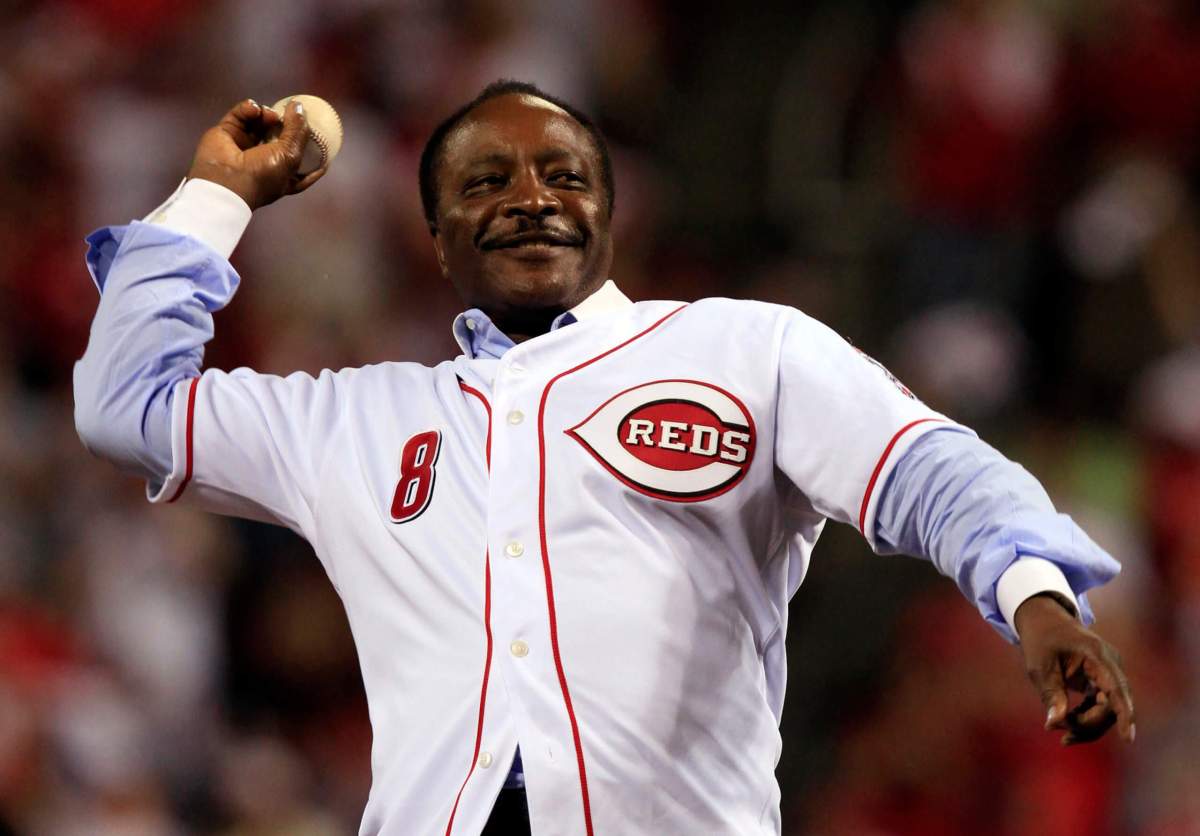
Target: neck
524,324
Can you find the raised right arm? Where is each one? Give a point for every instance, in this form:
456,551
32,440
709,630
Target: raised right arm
160,280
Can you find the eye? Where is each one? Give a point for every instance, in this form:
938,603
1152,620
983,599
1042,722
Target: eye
568,179
483,184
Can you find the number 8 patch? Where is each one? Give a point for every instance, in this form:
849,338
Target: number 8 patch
414,490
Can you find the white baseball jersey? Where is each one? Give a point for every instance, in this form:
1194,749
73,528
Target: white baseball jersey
585,548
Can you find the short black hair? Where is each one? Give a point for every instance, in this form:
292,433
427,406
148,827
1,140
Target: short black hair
431,155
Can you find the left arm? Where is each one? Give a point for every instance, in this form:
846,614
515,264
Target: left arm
988,524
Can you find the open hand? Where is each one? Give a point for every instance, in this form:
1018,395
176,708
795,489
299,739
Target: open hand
1061,655
230,153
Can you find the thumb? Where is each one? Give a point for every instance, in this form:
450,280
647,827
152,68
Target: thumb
1053,691
295,132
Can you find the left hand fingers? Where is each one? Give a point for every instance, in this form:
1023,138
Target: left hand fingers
1089,720
1060,655
1104,671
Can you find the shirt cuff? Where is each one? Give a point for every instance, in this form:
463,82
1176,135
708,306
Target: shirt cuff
1027,577
207,212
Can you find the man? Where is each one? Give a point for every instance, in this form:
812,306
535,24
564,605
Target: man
566,555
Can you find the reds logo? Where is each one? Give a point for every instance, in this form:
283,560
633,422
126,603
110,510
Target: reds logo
680,440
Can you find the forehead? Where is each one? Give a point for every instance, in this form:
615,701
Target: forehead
511,125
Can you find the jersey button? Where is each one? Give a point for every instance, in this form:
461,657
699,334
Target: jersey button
519,649
514,549
485,760
515,417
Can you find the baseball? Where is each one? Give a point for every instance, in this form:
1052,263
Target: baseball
324,129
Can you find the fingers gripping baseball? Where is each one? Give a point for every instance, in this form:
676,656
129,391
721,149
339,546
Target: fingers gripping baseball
241,124
232,155
295,133
292,141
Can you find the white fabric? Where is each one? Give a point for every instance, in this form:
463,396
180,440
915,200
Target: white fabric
206,211
607,298
670,576
670,608
1027,577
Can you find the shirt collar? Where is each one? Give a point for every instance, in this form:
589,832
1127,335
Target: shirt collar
479,337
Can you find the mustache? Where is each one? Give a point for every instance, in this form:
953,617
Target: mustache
538,234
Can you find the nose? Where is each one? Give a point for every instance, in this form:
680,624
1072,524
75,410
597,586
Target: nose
530,197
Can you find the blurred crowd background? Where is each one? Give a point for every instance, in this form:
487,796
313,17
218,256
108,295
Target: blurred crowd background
999,199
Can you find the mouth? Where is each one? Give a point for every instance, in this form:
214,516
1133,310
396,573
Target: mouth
541,240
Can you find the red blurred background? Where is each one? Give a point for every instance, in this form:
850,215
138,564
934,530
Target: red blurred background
997,198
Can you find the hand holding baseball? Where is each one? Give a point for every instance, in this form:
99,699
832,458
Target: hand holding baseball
232,155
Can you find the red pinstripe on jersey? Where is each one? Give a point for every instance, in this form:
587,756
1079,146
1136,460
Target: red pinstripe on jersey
191,412
866,500
487,620
562,677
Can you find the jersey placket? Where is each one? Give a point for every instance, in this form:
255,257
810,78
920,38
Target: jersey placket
495,732
520,621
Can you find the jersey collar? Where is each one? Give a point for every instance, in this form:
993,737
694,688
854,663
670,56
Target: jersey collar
478,336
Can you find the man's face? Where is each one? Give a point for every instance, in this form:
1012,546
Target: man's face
522,220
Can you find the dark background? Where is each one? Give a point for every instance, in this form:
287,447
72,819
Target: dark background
996,198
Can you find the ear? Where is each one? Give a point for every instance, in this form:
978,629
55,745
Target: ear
441,254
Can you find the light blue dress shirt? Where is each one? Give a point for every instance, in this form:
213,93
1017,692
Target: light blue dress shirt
981,519
951,498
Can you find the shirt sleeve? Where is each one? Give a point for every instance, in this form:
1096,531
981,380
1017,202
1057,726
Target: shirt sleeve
985,522
153,320
158,289
206,211
843,421
239,439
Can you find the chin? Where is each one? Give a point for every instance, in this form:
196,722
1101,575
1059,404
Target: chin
539,285
538,293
